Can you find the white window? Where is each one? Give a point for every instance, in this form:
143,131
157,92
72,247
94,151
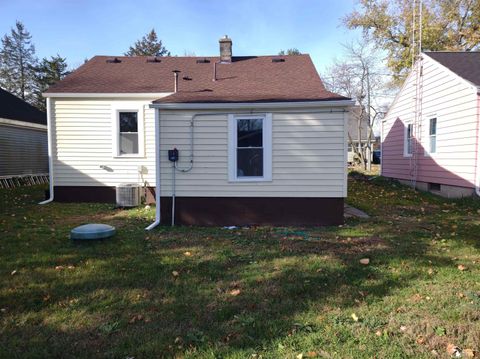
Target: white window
250,148
128,136
408,143
433,135
128,133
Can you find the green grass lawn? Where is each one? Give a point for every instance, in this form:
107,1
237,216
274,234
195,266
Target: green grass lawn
248,293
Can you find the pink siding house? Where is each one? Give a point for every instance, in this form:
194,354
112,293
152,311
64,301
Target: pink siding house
430,136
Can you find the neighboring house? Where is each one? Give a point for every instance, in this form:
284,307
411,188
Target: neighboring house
430,136
260,140
23,138
353,130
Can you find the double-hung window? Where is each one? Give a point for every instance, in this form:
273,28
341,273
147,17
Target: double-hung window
433,135
250,148
128,131
408,150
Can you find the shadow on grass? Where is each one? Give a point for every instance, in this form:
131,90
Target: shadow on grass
196,290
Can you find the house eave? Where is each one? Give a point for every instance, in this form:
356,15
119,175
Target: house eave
251,105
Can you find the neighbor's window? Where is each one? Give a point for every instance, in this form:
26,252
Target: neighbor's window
409,139
433,135
128,136
250,148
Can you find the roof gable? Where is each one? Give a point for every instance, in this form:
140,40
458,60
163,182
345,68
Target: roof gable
245,79
465,64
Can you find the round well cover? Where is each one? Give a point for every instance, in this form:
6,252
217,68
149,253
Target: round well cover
92,231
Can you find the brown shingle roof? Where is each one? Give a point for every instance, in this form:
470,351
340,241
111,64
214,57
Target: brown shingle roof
246,79
465,64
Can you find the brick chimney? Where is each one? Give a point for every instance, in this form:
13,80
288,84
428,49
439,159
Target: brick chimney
225,49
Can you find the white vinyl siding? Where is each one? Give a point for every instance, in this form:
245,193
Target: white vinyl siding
453,102
308,151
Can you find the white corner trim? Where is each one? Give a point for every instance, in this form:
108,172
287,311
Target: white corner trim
148,95
232,148
252,105
128,107
16,123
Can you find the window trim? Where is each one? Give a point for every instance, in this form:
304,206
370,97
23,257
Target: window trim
267,147
405,140
428,149
116,131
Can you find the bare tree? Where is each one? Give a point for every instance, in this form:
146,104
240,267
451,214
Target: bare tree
359,76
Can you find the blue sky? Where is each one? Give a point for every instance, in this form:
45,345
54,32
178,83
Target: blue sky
79,29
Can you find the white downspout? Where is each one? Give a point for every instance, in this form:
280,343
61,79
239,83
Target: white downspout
157,171
50,150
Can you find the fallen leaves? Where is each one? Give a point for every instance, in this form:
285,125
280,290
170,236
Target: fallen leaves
454,351
175,273
462,267
469,353
354,317
365,261
234,292
136,318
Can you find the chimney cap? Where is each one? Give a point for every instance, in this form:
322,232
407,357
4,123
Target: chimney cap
225,39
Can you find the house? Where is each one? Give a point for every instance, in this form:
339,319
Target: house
430,135
23,138
254,139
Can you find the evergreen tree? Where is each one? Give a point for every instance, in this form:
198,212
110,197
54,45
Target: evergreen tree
48,72
149,45
292,51
17,63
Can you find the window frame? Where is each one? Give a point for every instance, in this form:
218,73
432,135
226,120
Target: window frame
428,147
405,141
116,131
266,145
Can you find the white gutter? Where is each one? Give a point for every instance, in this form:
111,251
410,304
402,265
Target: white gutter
50,150
17,123
157,172
251,105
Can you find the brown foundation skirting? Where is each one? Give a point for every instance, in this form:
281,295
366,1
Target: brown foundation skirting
223,211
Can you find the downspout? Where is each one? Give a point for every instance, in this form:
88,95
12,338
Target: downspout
50,151
157,172
477,155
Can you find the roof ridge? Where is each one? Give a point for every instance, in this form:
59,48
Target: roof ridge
197,57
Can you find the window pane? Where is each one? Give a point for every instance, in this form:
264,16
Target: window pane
433,144
433,126
409,138
249,162
128,143
249,133
128,122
